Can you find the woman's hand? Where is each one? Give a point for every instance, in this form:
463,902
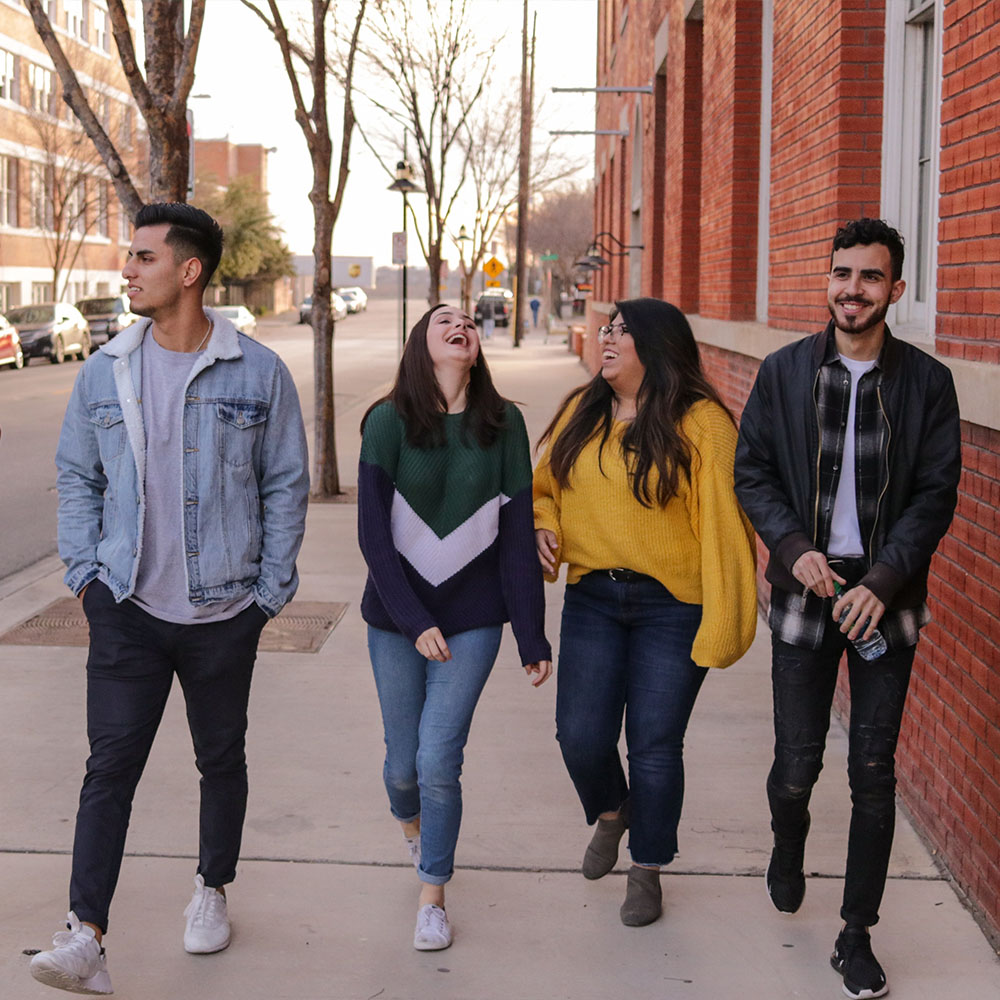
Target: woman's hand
542,669
548,546
431,644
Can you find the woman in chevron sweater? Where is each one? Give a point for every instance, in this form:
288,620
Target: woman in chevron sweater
445,525
634,492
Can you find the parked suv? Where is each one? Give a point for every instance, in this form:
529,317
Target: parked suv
502,299
51,330
107,316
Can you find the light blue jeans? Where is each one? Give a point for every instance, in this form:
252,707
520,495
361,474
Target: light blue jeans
427,710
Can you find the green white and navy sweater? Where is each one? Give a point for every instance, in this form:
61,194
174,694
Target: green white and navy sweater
448,532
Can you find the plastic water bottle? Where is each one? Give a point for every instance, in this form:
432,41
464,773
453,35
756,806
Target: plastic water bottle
868,649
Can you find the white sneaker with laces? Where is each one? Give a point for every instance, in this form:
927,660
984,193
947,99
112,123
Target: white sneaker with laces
207,929
413,846
76,962
433,931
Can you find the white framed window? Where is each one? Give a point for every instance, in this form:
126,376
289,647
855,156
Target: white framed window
75,209
910,154
124,225
41,291
8,191
40,85
8,76
102,208
42,209
102,30
75,12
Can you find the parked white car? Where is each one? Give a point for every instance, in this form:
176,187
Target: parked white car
355,298
241,318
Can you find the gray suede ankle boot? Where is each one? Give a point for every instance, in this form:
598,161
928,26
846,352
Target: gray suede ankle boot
602,851
643,899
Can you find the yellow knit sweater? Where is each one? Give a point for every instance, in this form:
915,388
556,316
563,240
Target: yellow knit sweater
700,546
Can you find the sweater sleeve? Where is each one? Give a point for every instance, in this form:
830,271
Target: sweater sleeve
380,445
547,494
520,572
728,555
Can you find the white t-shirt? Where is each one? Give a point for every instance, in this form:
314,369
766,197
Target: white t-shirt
845,534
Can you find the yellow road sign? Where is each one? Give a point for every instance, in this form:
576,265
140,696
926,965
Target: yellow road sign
493,283
493,267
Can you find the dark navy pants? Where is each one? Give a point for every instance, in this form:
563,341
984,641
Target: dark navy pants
804,681
132,661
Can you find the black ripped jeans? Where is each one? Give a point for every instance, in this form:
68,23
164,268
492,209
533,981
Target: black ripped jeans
804,682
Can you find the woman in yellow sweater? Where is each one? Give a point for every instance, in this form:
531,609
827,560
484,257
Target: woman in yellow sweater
634,492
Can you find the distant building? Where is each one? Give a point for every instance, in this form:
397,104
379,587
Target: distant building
220,162
57,203
765,125
345,272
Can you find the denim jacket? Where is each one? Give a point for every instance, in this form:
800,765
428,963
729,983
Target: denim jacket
245,470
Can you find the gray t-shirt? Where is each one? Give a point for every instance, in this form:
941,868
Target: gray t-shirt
161,587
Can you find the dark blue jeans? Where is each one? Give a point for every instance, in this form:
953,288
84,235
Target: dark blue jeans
131,666
625,647
804,681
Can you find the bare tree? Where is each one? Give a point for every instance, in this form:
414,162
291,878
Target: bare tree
491,141
432,66
161,95
314,122
562,224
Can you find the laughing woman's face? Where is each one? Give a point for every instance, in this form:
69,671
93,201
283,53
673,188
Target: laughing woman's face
452,339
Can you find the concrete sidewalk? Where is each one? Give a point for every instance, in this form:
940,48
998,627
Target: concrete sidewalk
325,902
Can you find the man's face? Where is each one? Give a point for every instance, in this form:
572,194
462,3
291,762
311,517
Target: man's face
861,288
155,278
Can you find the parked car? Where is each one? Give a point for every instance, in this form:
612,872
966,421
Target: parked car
240,317
502,299
51,330
107,316
10,345
356,299
337,305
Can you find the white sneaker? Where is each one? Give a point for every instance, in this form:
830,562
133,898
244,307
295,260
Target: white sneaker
207,929
76,962
413,846
433,931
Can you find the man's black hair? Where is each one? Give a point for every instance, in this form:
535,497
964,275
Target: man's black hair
866,232
192,233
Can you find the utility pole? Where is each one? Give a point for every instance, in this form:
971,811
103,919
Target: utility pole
523,171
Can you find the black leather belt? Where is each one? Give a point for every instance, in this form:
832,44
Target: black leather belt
623,575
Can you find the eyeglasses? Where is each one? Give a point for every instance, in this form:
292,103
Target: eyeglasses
612,332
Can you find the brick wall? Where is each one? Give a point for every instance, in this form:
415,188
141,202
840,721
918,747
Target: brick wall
968,302
826,143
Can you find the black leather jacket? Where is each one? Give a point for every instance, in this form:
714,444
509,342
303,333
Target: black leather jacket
777,462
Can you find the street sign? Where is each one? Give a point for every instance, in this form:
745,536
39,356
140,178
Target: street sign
399,248
493,267
492,283
549,256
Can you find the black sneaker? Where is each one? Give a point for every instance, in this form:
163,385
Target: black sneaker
852,957
785,879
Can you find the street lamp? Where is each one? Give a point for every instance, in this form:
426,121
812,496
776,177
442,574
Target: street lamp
404,185
462,238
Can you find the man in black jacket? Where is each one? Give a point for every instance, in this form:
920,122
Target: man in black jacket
847,464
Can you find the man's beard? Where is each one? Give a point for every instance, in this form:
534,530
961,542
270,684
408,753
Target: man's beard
857,325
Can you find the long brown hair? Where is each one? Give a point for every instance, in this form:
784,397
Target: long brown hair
673,381
419,401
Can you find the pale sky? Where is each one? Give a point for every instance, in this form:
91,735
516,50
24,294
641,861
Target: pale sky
239,66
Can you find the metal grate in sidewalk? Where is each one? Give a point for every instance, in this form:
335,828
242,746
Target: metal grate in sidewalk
302,627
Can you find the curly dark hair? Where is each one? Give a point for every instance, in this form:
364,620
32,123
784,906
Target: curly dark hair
867,231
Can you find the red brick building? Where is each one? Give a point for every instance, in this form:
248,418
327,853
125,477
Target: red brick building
760,128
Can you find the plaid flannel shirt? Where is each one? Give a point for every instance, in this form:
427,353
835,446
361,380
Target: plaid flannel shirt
801,618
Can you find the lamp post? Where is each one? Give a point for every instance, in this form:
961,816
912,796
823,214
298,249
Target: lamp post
463,238
404,185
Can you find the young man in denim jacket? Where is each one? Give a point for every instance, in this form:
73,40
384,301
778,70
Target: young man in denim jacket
183,485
